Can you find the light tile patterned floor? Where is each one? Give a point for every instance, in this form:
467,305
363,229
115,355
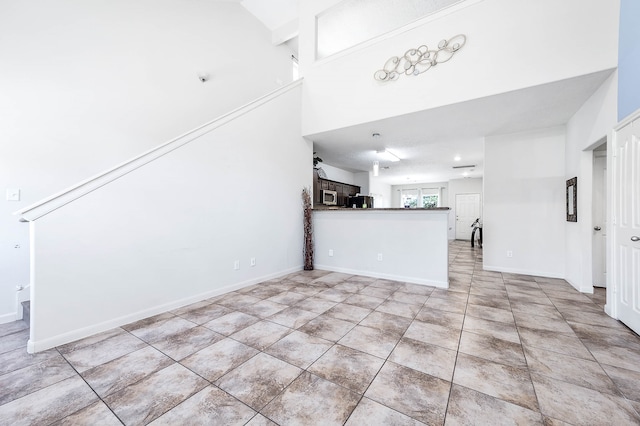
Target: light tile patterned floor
328,348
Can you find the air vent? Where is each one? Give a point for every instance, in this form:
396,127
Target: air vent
464,167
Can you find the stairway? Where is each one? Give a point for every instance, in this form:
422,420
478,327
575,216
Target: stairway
26,312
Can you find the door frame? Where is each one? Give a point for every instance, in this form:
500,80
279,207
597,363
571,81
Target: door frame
611,307
599,154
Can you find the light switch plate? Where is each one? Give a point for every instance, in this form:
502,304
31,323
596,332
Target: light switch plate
13,195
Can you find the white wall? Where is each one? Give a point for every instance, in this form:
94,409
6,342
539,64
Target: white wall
381,192
362,179
169,232
337,174
462,186
524,203
358,236
87,85
628,59
593,122
525,44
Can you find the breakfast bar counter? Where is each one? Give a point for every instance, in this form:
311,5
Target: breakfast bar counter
323,208
407,245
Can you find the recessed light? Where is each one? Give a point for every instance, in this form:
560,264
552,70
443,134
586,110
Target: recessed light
375,135
457,158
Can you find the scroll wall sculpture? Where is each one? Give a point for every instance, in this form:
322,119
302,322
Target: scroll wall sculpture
417,61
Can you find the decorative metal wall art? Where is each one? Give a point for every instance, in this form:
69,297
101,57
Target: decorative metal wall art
417,61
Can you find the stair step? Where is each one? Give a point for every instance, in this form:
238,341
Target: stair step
26,312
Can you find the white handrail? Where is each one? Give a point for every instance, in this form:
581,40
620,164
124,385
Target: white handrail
54,202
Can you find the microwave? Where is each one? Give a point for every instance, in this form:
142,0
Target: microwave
329,198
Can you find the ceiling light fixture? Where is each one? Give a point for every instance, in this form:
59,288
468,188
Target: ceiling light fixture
376,168
457,158
386,155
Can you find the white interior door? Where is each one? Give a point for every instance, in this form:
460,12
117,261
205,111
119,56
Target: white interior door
599,219
625,266
467,211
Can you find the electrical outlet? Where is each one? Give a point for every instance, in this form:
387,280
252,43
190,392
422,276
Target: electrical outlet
236,265
253,261
330,252
379,257
509,253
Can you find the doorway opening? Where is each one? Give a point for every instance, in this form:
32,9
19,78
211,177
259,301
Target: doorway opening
599,205
599,223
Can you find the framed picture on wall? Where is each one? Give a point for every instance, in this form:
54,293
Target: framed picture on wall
572,200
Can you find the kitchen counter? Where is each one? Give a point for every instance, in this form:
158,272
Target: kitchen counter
406,245
333,208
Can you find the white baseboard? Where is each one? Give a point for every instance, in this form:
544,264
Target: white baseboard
71,336
608,310
544,274
412,280
10,317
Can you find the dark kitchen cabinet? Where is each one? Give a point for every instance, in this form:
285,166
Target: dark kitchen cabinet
344,190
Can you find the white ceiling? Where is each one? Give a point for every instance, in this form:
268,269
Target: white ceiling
428,141
273,13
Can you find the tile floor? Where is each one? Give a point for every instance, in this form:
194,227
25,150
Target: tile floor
329,348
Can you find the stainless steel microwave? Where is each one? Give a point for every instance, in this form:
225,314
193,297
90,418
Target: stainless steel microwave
329,198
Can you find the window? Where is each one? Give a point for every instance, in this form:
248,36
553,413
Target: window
351,22
430,201
410,198
420,198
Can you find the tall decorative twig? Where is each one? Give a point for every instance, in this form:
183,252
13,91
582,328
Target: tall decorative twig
308,230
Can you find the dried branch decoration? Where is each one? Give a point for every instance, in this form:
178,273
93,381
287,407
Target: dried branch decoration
308,229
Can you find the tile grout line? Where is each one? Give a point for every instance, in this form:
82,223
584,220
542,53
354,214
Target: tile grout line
455,363
526,360
90,387
622,394
385,360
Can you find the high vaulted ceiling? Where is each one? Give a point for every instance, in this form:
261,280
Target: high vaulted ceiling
428,141
273,13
